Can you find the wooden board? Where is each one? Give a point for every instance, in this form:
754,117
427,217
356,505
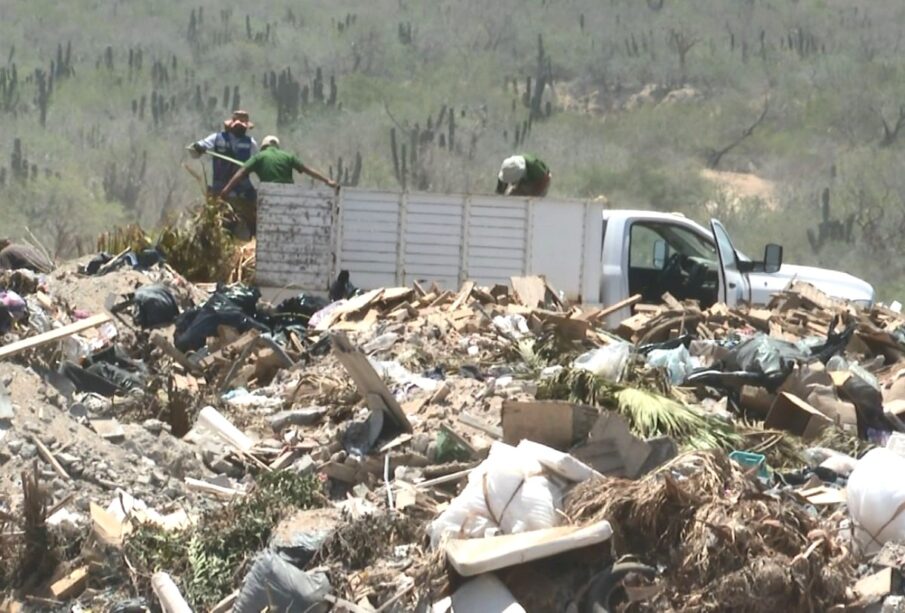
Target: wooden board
71,585
630,301
530,291
54,335
463,295
570,328
367,380
472,557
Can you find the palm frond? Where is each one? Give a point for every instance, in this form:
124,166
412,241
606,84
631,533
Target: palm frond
648,413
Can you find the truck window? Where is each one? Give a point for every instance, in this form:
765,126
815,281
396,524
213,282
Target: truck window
641,246
689,268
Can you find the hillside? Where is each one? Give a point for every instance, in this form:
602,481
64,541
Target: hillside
633,100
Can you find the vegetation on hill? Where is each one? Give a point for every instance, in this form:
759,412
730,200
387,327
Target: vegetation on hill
626,99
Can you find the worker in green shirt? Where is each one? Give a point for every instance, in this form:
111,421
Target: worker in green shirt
523,175
271,165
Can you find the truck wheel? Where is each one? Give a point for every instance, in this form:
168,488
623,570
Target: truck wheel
605,592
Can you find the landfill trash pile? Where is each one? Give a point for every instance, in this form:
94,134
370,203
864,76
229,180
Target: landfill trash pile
187,446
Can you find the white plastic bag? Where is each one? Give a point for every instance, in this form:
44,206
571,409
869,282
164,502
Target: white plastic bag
515,326
876,500
607,362
677,362
508,493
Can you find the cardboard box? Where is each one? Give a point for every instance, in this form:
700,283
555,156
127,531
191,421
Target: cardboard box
792,414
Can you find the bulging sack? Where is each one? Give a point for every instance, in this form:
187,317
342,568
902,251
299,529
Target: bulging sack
509,493
876,500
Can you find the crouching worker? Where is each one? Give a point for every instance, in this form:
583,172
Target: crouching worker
523,175
273,165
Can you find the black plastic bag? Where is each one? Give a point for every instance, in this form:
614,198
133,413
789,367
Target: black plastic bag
195,326
155,305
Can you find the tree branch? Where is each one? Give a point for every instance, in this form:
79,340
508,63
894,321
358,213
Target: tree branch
713,160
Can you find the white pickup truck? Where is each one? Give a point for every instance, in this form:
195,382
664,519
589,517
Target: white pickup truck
591,254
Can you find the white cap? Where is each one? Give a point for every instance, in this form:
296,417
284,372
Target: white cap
513,169
270,140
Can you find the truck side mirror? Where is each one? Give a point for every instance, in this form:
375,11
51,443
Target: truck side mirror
772,258
660,252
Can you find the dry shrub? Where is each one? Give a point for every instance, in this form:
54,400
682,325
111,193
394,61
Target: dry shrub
724,543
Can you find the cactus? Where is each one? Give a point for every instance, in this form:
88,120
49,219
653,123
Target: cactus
43,91
9,89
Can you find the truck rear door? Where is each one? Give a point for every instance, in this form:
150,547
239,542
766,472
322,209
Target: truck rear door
733,283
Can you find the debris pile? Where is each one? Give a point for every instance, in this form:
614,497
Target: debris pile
178,444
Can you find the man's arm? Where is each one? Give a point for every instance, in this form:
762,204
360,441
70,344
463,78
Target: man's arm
235,180
316,175
205,144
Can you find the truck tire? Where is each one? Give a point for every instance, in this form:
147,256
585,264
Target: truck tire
605,587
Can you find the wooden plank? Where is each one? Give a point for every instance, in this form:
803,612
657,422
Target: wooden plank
180,358
670,301
530,291
472,557
463,295
50,458
71,585
876,587
54,335
570,328
630,301
477,424
241,343
367,380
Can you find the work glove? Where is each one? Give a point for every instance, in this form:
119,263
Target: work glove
196,150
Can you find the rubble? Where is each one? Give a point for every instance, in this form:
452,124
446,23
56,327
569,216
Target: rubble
380,450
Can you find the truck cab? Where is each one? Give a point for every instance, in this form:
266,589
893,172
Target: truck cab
667,252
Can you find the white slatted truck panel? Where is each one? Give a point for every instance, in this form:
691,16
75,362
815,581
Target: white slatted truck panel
432,240
295,241
386,239
566,243
497,245
369,237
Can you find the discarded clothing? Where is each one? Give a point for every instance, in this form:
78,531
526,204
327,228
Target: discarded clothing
155,305
85,381
195,326
12,308
276,585
141,260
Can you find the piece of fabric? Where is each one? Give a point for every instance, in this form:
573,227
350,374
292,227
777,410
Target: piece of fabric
274,584
273,165
88,382
17,256
155,305
535,169
239,148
